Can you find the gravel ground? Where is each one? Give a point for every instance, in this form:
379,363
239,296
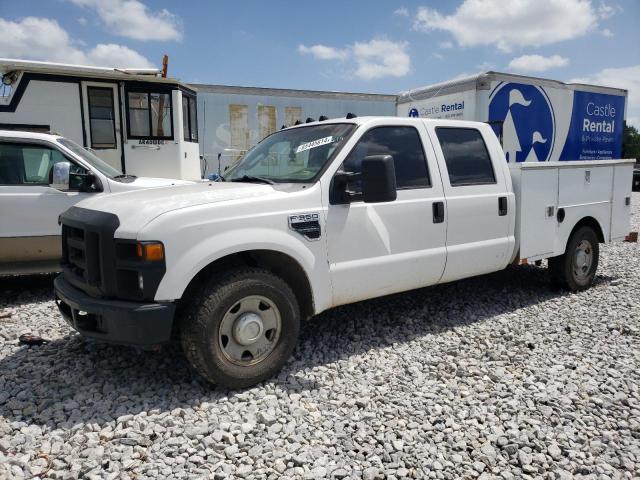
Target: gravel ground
498,376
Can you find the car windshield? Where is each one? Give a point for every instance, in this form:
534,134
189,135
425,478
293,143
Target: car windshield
293,155
91,158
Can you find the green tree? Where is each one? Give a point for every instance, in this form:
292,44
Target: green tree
630,142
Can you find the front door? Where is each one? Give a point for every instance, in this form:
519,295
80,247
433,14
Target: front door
102,121
29,207
381,248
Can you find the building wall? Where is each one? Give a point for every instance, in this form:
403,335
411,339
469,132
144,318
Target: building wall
233,119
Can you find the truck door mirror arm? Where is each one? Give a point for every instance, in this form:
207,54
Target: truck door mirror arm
86,182
339,193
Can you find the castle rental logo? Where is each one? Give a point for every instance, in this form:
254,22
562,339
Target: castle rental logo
522,116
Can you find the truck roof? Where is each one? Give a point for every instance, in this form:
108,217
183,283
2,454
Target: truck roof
482,81
29,135
405,120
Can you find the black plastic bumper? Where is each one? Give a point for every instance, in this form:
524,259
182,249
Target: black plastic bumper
114,321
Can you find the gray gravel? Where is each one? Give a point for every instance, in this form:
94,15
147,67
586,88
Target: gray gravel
493,377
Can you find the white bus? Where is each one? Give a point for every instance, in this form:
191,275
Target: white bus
137,121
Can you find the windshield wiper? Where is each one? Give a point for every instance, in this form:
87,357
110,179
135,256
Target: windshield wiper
252,178
124,175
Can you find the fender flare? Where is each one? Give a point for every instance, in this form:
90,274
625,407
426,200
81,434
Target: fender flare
187,266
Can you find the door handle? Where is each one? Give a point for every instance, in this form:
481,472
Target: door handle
438,212
502,206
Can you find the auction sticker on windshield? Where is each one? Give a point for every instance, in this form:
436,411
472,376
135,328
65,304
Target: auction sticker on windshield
316,143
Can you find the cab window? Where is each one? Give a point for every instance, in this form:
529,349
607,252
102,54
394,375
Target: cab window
466,156
403,144
24,164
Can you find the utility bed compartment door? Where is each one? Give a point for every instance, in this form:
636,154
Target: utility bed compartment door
585,185
537,212
621,205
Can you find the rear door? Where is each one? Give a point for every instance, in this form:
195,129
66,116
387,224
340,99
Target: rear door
29,206
479,202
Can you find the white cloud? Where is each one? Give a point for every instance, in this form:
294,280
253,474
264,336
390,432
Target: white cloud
44,39
322,52
401,12
513,24
113,55
437,55
376,58
623,77
132,19
606,32
606,11
381,58
446,44
485,66
537,63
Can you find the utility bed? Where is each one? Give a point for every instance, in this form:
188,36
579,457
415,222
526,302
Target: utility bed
552,196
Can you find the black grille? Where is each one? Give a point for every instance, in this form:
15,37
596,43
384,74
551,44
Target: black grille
88,249
97,263
83,254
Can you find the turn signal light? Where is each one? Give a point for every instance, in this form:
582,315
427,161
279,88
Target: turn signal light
150,251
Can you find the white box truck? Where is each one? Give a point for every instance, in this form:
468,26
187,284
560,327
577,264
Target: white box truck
535,119
320,215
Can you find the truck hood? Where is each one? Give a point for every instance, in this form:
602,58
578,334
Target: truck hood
144,182
138,207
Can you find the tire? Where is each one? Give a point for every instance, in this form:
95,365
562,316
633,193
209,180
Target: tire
576,268
230,309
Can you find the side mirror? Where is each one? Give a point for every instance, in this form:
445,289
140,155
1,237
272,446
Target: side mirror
60,176
378,179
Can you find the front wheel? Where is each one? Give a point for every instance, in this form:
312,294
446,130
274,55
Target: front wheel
576,268
240,327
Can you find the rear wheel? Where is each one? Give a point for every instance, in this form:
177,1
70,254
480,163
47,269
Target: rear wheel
241,327
576,268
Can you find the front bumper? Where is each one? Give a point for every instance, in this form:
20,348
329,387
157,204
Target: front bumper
114,321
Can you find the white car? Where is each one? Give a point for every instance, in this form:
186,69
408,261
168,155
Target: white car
41,176
320,215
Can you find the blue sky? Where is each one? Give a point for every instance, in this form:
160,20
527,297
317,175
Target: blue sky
348,45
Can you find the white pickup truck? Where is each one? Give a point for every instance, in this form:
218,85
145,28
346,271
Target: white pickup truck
41,176
320,215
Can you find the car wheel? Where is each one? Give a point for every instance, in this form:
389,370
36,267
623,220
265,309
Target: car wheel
240,327
576,268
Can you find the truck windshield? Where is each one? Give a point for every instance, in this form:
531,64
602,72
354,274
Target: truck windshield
89,157
294,155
